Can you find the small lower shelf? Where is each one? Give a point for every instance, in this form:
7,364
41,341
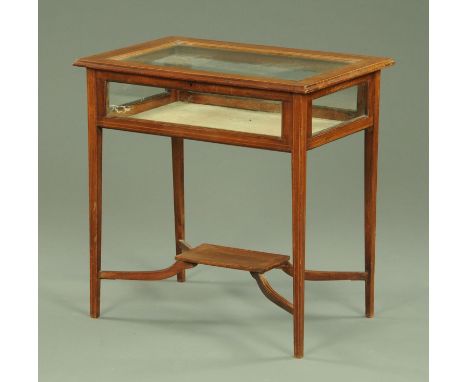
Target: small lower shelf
234,258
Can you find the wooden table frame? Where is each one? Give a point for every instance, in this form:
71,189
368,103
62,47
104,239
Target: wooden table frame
296,139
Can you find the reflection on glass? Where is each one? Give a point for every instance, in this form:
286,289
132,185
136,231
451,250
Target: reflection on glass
237,62
242,114
337,108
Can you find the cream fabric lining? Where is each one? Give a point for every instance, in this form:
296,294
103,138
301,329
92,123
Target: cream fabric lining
227,118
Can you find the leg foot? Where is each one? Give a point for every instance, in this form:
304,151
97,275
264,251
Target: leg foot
181,277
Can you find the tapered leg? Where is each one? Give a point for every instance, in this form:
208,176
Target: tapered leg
298,171
371,144
95,196
178,188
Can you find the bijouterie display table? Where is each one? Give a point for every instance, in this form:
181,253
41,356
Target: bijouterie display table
255,96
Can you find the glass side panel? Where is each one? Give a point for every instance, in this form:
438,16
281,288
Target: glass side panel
215,111
237,62
339,107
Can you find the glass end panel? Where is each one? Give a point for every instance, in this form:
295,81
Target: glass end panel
208,110
340,107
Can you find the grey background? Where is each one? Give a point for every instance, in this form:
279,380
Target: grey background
218,325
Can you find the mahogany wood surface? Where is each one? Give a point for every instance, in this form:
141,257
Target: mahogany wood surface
270,293
371,145
313,275
333,275
301,125
178,189
95,194
161,274
235,258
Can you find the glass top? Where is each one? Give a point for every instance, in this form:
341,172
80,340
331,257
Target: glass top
237,62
